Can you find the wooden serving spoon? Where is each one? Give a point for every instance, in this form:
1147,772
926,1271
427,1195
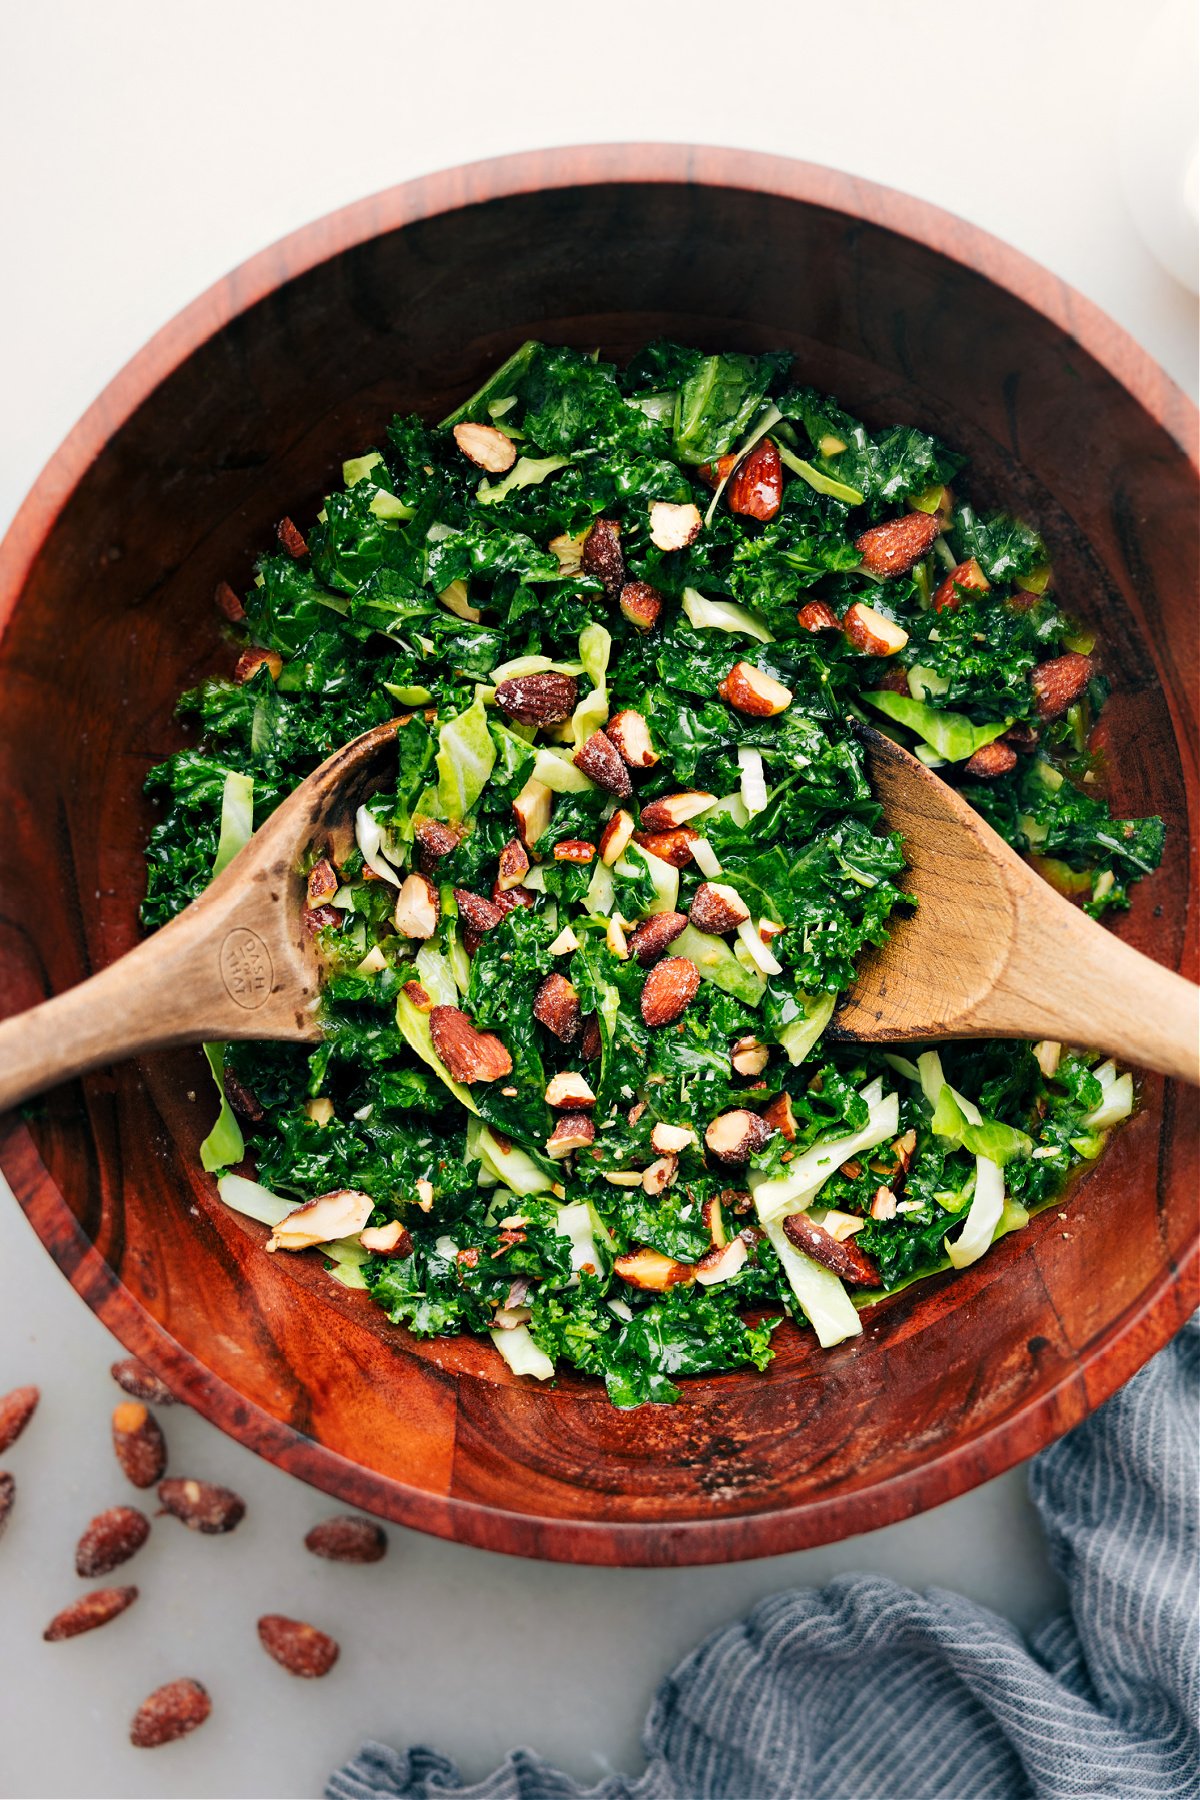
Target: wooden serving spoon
237,963
991,950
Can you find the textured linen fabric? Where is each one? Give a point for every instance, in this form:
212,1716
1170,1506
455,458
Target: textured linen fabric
867,1691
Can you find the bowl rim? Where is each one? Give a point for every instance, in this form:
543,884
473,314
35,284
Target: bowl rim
1125,1344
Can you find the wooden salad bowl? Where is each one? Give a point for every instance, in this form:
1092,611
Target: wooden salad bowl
241,410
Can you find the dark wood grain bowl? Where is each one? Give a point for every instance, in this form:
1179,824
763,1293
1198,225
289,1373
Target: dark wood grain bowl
241,410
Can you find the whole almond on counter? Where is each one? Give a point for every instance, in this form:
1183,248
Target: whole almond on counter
139,1444
202,1505
111,1539
133,1375
89,1611
299,1648
168,1713
8,1494
16,1410
347,1539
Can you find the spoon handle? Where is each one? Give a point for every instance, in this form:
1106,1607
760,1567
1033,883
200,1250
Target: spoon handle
218,971
1069,979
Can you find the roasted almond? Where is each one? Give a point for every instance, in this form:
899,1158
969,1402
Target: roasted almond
990,761
734,1136
532,809
477,914
841,1255
567,550
8,1495
417,907
755,488
202,1505
434,839
299,1648
872,632
722,1262
322,882
669,989
340,1213
816,615
542,699
111,1538
654,934
614,839
575,850
602,557
138,1444
714,473
16,1409
170,1712
947,596
569,1090
780,1117
486,446
467,1054
254,659
347,1539
651,1270
749,1056
1059,683
673,526
573,1131
674,847
752,692
674,809
228,604
291,537
896,546
641,604
629,732
601,762
659,1176
669,1140
89,1611
717,908
883,1203
387,1240
417,996
1023,737
556,1006
514,865
247,1106
591,1041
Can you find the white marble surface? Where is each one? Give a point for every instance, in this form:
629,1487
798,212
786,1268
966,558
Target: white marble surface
149,148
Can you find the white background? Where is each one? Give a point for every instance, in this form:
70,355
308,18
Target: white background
146,148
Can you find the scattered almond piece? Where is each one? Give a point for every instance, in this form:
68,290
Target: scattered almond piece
486,446
138,1444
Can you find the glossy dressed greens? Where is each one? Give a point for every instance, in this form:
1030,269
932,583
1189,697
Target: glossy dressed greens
425,582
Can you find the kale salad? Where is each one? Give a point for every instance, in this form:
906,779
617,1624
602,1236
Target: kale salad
572,1089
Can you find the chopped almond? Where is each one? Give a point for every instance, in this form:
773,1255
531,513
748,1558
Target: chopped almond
734,1136
417,907
675,809
574,850
659,1176
387,1240
883,1205
948,594
842,1255
342,1213
573,1131
514,865
816,615
641,604
601,762
291,537
322,882
749,1056
674,847
569,1090
991,761
651,1270
754,693
669,1140
629,732
654,934
318,1112
672,526
872,633
486,446
780,1117
532,809
251,661
717,908
556,1006
615,837
722,1264
417,996
602,557
467,1054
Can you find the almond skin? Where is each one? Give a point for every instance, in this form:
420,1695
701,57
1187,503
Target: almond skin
299,1648
751,692
669,989
654,934
416,995
89,1611
347,1539
138,1444
469,1055
815,615
556,1006
486,446
16,1410
111,1539
947,595
641,604
602,557
601,762
717,909
168,1713
899,544
749,1056
8,1495
387,1240
591,1040
755,489
543,699
322,882
202,1505
674,847
1059,683
990,761
841,1255
714,473
291,537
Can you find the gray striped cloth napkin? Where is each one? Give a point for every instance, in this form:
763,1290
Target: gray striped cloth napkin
867,1691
